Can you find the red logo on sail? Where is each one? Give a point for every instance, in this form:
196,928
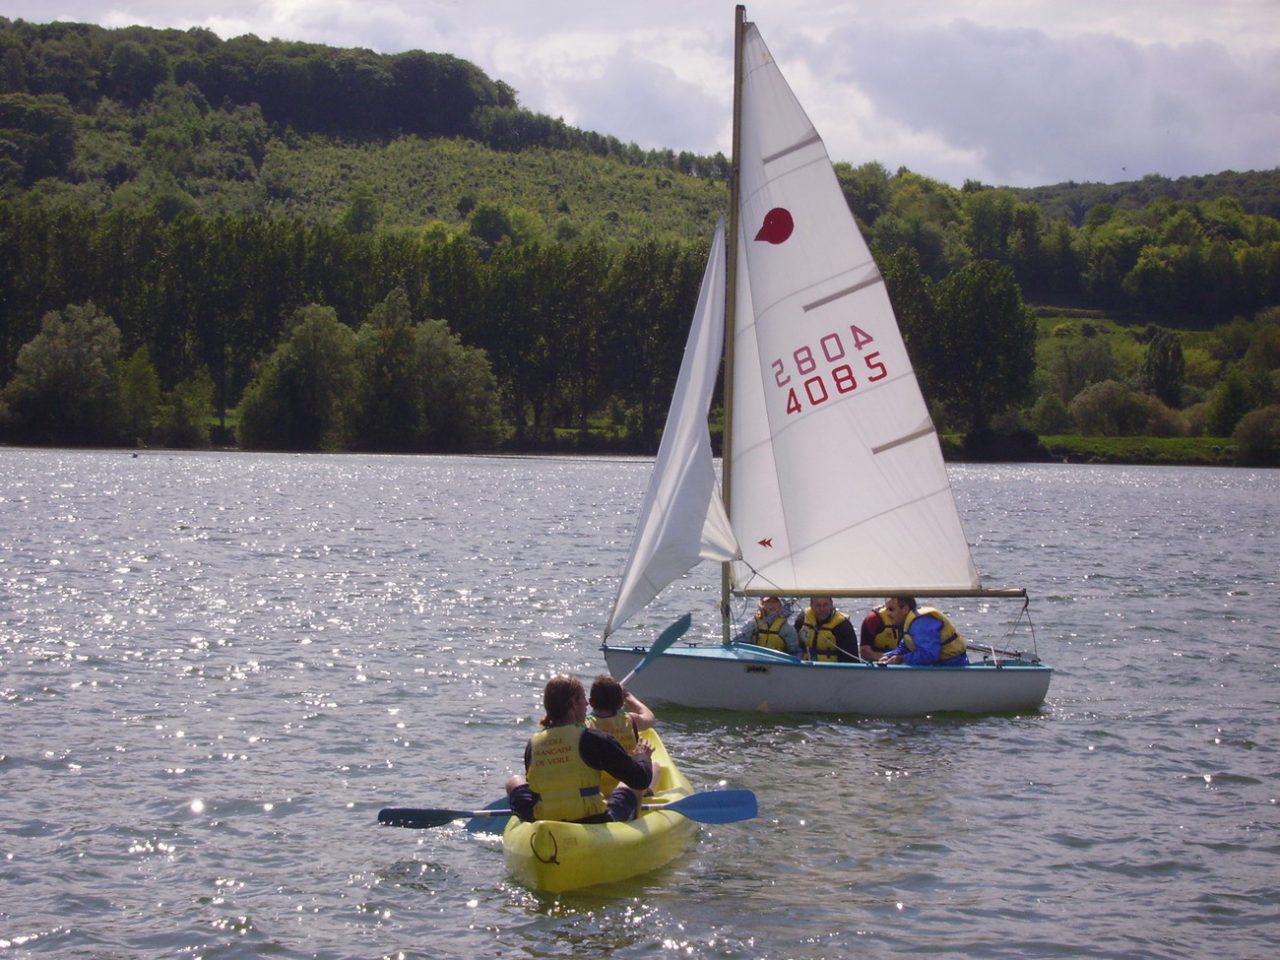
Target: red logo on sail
777,226
766,542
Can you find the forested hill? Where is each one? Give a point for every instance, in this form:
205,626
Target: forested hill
1256,191
120,118
342,249
109,118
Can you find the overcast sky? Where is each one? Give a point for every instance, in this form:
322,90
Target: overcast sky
1007,92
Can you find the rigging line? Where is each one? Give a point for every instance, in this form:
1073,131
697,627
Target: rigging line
861,521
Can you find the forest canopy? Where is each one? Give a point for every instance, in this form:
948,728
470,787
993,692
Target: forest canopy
203,194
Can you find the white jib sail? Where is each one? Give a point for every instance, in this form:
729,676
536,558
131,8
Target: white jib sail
837,475
682,519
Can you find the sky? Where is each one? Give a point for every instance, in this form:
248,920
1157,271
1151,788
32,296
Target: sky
1006,92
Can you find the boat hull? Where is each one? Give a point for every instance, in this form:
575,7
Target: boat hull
748,678
553,857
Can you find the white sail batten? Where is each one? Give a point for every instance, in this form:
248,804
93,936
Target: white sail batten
682,518
837,472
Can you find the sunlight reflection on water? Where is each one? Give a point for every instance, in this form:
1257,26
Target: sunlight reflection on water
215,668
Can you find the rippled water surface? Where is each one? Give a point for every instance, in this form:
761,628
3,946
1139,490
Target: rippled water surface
216,668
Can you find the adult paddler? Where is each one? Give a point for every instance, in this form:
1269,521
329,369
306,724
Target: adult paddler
563,762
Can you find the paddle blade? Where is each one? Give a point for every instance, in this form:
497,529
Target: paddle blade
419,819
665,639
714,806
422,818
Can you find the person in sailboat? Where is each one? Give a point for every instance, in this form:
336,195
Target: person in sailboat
825,633
770,627
928,636
563,762
877,635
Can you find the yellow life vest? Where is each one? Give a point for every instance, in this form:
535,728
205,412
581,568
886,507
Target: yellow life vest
769,632
820,638
567,788
952,643
886,638
620,727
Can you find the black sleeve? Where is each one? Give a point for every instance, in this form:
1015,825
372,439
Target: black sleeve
602,752
847,634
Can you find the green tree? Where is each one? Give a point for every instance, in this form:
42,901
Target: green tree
183,418
134,70
37,136
988,336
1070,363
1163,368
389,411
299,399
912,296
1109,409
64,389
362,216
649,296
866,189
459,390
1230,400
1049,414
139,396
1257,438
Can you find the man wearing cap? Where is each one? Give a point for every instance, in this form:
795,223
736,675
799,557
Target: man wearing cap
769,628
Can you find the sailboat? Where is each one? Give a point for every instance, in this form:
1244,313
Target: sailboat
833,481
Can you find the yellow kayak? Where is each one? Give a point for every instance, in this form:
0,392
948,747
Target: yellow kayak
552,856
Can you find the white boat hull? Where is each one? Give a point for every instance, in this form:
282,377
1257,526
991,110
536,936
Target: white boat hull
747,678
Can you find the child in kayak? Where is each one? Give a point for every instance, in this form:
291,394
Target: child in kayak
619,713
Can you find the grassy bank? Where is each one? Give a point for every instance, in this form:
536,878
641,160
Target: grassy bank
1192,451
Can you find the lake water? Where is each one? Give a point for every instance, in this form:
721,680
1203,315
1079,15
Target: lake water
216,668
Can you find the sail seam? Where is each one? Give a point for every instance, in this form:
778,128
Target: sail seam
791,149
922,432
843,293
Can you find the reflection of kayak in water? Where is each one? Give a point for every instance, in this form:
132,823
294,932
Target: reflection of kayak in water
553,856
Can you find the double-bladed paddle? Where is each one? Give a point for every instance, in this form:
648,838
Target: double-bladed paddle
713,806
665,639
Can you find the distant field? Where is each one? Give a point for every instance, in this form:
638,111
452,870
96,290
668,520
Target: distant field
1207,451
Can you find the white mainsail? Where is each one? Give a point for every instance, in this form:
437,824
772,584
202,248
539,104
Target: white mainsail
836,477
833,474
682,519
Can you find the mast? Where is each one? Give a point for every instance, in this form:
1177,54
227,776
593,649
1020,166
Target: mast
730,304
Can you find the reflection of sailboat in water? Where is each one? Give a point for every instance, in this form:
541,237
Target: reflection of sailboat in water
833,479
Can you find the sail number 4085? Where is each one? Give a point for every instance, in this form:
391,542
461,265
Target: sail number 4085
828,370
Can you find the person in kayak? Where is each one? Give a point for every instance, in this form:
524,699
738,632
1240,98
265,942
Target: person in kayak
619,713
929,638
563,762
